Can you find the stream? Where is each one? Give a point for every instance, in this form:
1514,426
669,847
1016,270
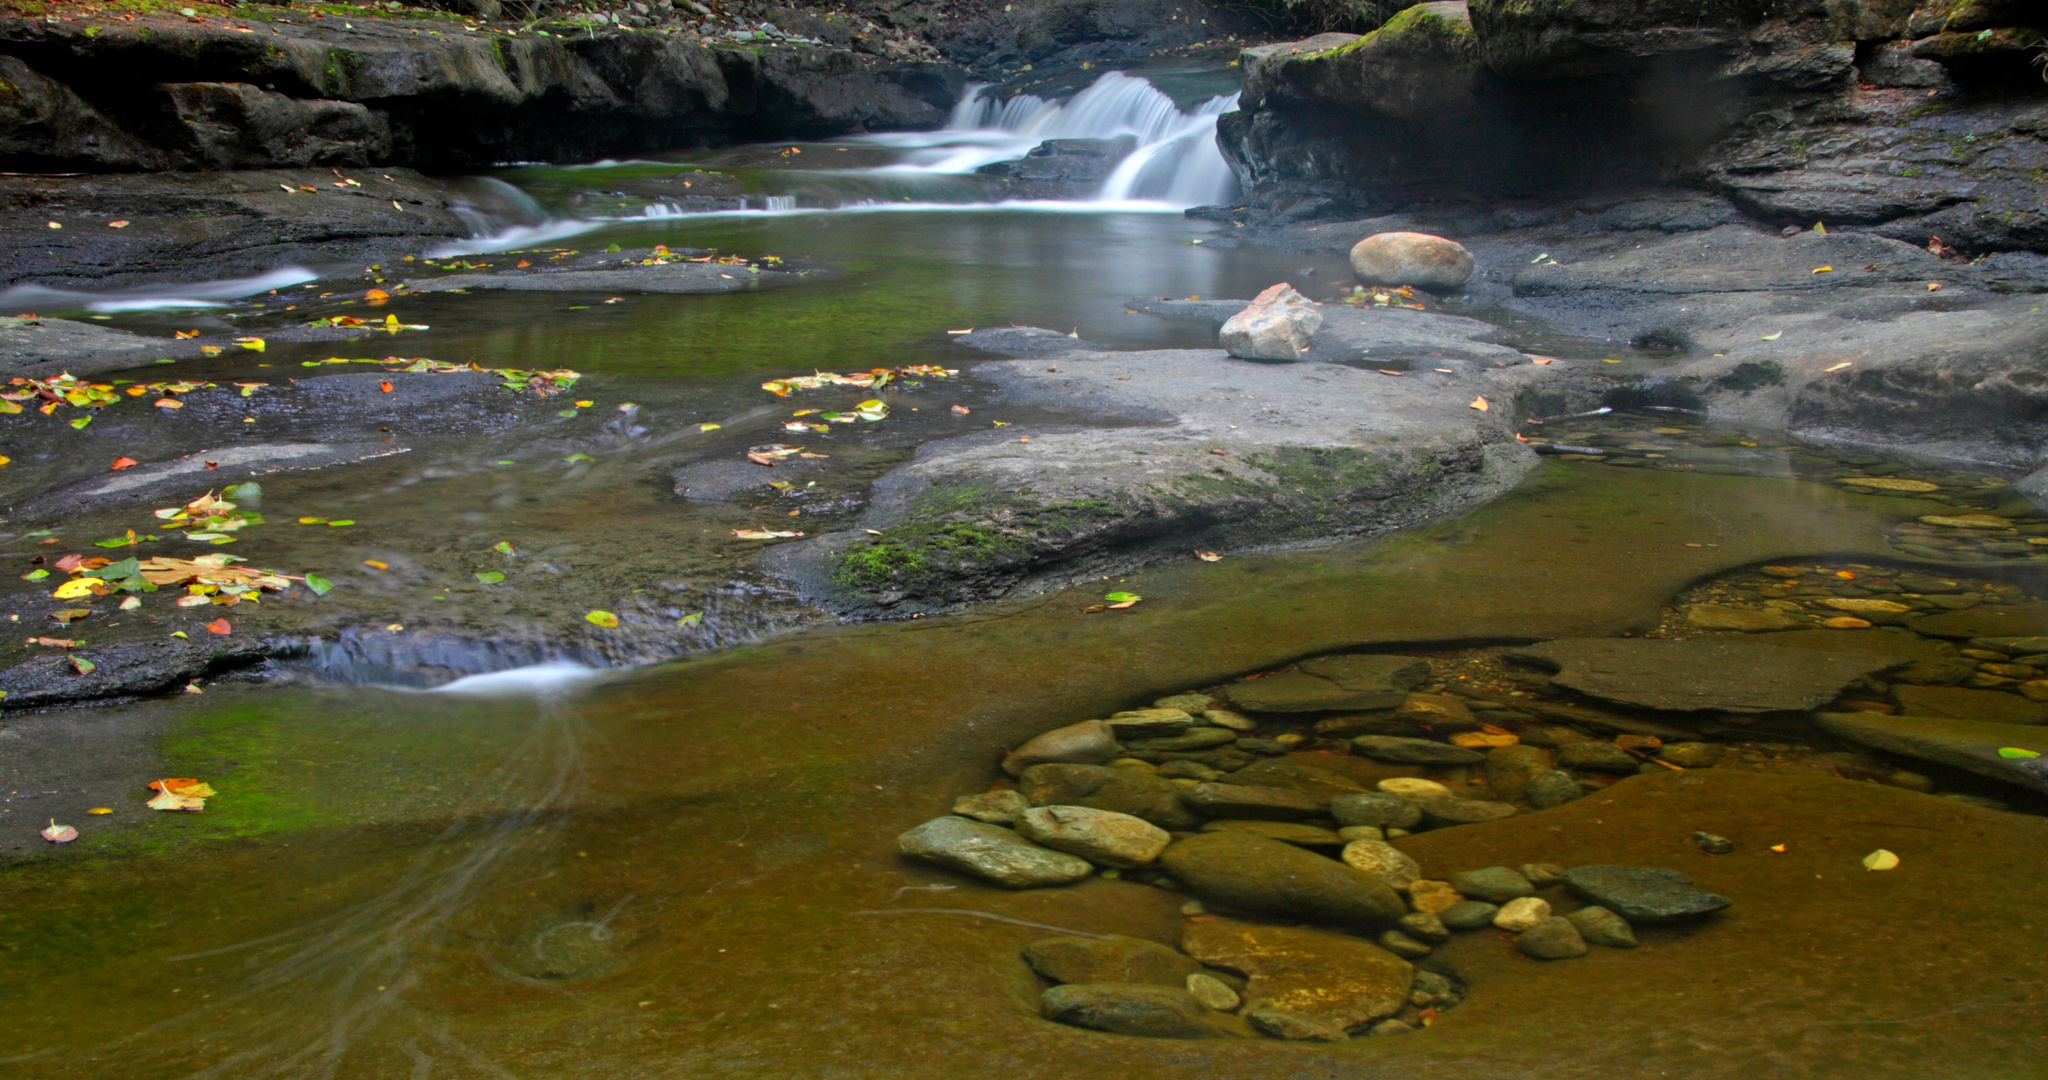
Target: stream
453,839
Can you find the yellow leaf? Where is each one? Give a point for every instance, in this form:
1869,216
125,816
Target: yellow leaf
1479,403
1837,367
602,618
1774,337
75,588
253,344
1823,269
1880,860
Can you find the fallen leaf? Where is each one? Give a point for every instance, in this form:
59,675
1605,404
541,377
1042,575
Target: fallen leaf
78,588
117,224
83,666
1779,848
53,642
376,296
100,811
384,387
1209,556
168,403
1837,367
1774,337
318,584
1093,608
1390,371
764,534
490,577
59,834
180,794
1122,597
502,547
1533,360
1880,860
376,565
124,463
602,618
253,344
2016,753
1823,269
219,626
1934,286
961,410
1479,403
72,615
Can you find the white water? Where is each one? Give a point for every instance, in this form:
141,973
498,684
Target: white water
1176,161
537,680
205,294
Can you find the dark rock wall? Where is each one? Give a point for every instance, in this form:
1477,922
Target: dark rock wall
172,94
1853,112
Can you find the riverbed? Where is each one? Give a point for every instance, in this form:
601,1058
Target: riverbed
474,832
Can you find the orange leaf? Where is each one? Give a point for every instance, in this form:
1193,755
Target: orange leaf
219,626
375,295
184,785
386,387
125,463
168,403
376,565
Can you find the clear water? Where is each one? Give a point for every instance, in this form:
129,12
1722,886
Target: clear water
553,873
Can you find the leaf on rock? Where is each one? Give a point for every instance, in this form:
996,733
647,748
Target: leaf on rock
764,534
318,584
59,834
219,626
1122,597
124,463
180,794
502,547
1209,556
692,619
490,577
83,666
71,615
1479,403
602,618
2015,753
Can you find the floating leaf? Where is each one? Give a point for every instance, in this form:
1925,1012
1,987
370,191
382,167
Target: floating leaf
35,575
376,564
318,584
100,811
59,834
1837,367
1122,597
1880,860
341,523
219,626
71,615
691,619
490,577
602,618
1823,269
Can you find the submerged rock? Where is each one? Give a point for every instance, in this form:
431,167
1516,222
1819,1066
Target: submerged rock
1724,675
1294,1026
1962,744
1384,861
1090,742
1552,787
1332,683
991,852
1600,926
1494,884
1551,939
1377,809
1522,913
1643,894
1261,876
1412,258
994,807
1114,959
1509,770
1158,1012
1414,751
1442,813
1126,791
1336,979
1103,837
1251,802
1277,326
1958,703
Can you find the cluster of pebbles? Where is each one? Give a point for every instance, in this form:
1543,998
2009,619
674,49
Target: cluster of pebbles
1203,794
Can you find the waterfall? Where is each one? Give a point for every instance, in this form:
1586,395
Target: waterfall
1176,161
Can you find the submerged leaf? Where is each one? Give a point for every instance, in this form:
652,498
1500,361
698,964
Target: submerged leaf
1880,860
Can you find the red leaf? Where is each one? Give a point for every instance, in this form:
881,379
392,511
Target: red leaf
125,463
219,626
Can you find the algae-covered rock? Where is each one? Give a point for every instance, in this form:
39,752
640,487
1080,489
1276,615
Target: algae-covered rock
1125,791
1261,876
1158,1012
991,852
1336,979
1112,959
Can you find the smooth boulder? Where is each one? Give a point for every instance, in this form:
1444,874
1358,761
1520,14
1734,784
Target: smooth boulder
1103,837
1393,748
1113,959
1252,802
1261,876
1126,791
1411,258
1157,1012
1090,742
991,852
1277,326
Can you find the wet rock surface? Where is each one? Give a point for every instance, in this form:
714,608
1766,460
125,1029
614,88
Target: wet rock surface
1339,980
991,852
1732,676
1643,895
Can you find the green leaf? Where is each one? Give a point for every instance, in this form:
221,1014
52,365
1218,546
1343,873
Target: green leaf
506,461
42,532
574,458
79,424
613,250
602,618
251,492
83,666
115,571
2014,752
1122,597
341,523
318,584
692,619
502,547
566,413
35,575
490,577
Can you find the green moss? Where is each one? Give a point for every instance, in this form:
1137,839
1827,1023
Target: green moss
1752,375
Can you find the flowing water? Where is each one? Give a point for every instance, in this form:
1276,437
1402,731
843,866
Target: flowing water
688,869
